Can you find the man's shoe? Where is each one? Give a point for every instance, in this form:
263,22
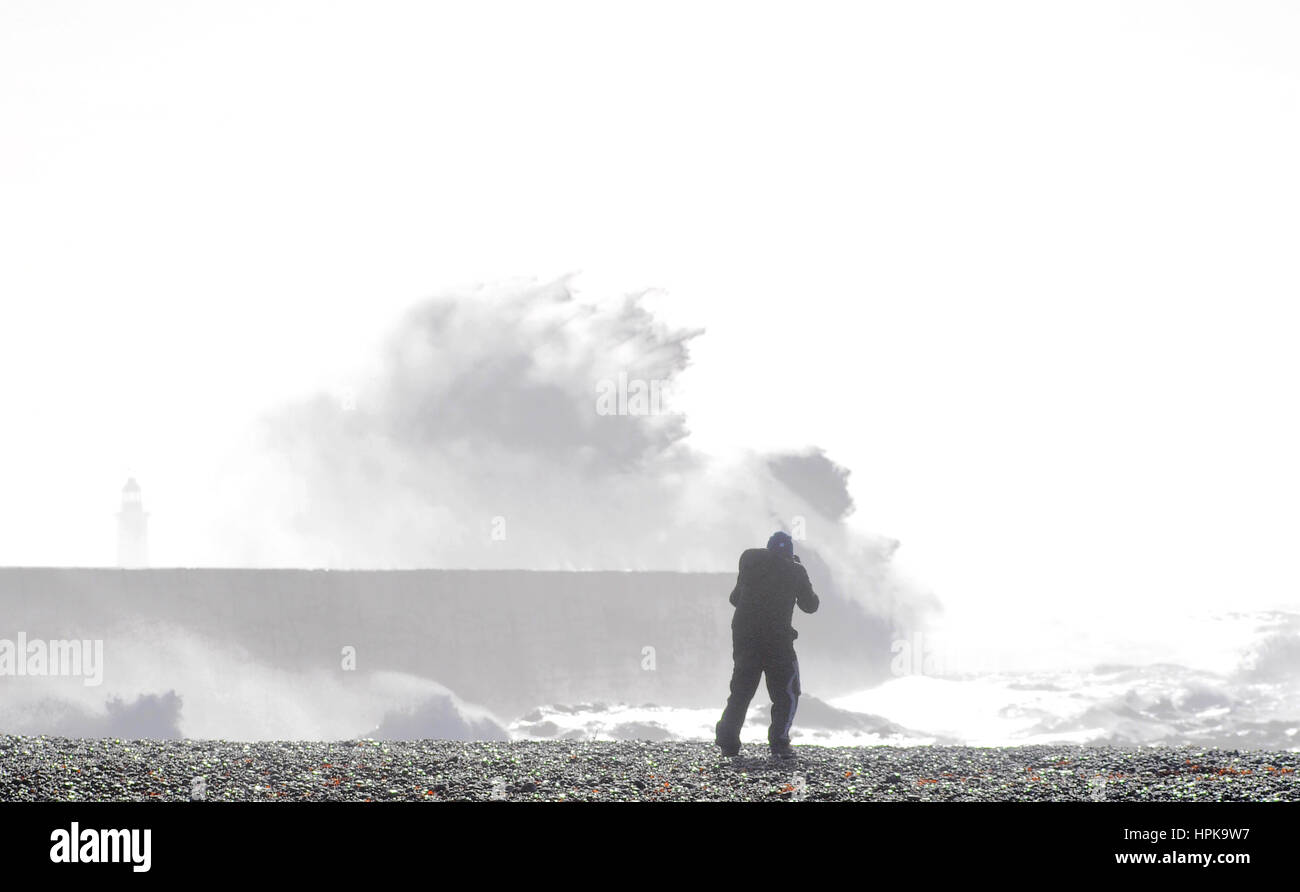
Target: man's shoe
783,751
730,746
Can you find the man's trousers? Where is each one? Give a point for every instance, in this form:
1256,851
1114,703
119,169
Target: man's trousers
777,661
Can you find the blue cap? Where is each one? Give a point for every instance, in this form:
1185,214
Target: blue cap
781,543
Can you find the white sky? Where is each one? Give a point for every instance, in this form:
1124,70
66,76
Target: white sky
1029,269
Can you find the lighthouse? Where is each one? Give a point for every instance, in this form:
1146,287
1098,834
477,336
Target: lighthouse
132,528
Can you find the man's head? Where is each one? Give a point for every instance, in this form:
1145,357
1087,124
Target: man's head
781,543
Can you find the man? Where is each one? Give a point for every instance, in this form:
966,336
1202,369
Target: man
771,582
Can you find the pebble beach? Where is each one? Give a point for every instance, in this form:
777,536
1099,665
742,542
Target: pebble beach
77,769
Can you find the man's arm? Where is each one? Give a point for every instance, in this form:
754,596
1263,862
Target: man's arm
804,595
746,561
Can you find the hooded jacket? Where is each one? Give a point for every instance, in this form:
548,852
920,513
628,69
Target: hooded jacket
768,587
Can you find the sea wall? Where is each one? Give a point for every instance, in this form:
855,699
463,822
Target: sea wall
508,640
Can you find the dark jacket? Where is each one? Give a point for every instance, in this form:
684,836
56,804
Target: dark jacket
767,589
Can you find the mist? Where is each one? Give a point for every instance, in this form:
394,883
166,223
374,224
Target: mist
491,431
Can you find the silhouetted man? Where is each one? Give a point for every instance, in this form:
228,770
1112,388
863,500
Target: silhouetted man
771,582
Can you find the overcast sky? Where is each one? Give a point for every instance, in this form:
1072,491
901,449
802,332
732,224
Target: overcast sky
1028,269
